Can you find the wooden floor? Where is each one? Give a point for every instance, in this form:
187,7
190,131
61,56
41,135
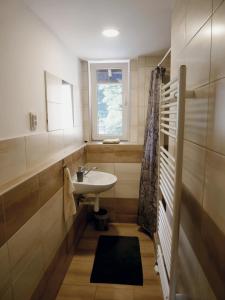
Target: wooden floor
77,286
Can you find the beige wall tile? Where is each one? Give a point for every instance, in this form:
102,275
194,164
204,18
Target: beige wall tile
177,59
51,241
128,176
127,206
196,116
72,137
194,159
214,190
24,200
5,269
28,280
216,3
178,28
36,149
55,141
218,44
54,230
196,15
189,276
50,181
133,64
128,171
12,159
127,189
52,210
216,128
128,153
23,244
197,55
2,224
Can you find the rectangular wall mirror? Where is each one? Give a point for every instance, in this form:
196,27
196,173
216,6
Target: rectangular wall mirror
59,103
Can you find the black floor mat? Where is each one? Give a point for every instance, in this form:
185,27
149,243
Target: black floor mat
118,261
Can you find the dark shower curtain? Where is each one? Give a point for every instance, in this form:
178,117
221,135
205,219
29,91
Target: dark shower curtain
147,212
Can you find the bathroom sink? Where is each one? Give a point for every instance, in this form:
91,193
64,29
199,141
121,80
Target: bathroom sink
94,182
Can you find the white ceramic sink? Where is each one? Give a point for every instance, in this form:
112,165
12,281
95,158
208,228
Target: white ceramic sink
94,182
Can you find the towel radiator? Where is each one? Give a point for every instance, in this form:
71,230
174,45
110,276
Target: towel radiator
171,127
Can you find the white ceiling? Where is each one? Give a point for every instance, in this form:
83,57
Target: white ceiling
144,26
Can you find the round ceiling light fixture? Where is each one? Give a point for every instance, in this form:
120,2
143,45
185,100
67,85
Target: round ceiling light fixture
110,32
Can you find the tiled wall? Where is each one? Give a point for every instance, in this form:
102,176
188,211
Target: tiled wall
33,231
24,155
140,71
198,37
125,162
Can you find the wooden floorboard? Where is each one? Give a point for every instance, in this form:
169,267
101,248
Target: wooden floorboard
77,286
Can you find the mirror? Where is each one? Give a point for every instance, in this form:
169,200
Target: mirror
59,103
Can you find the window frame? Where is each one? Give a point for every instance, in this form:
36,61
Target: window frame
93,67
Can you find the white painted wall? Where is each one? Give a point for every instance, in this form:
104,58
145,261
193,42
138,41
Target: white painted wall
27,48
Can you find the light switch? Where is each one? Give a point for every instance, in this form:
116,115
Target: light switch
33,121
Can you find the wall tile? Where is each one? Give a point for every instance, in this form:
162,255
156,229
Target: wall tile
213,261
197,55
196,117
12,159
216,3
218,44
194,158
28,280
191,280
55,141
69,137
36,149
127,190
24,200
214,190
4,270
197,14
52,210
177,59
100,153
127,206
2,226
216,129
128,180
127,171
128,153
178,27
50,181
23,243
54,230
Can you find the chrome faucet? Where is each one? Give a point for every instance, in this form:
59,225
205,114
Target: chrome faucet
87,170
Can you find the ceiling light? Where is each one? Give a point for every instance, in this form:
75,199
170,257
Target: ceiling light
110,32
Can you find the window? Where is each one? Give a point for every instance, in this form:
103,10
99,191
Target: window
109,100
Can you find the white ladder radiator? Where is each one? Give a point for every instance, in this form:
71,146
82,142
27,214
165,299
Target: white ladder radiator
171,122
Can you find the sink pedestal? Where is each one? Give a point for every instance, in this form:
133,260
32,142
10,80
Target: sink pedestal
96,205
